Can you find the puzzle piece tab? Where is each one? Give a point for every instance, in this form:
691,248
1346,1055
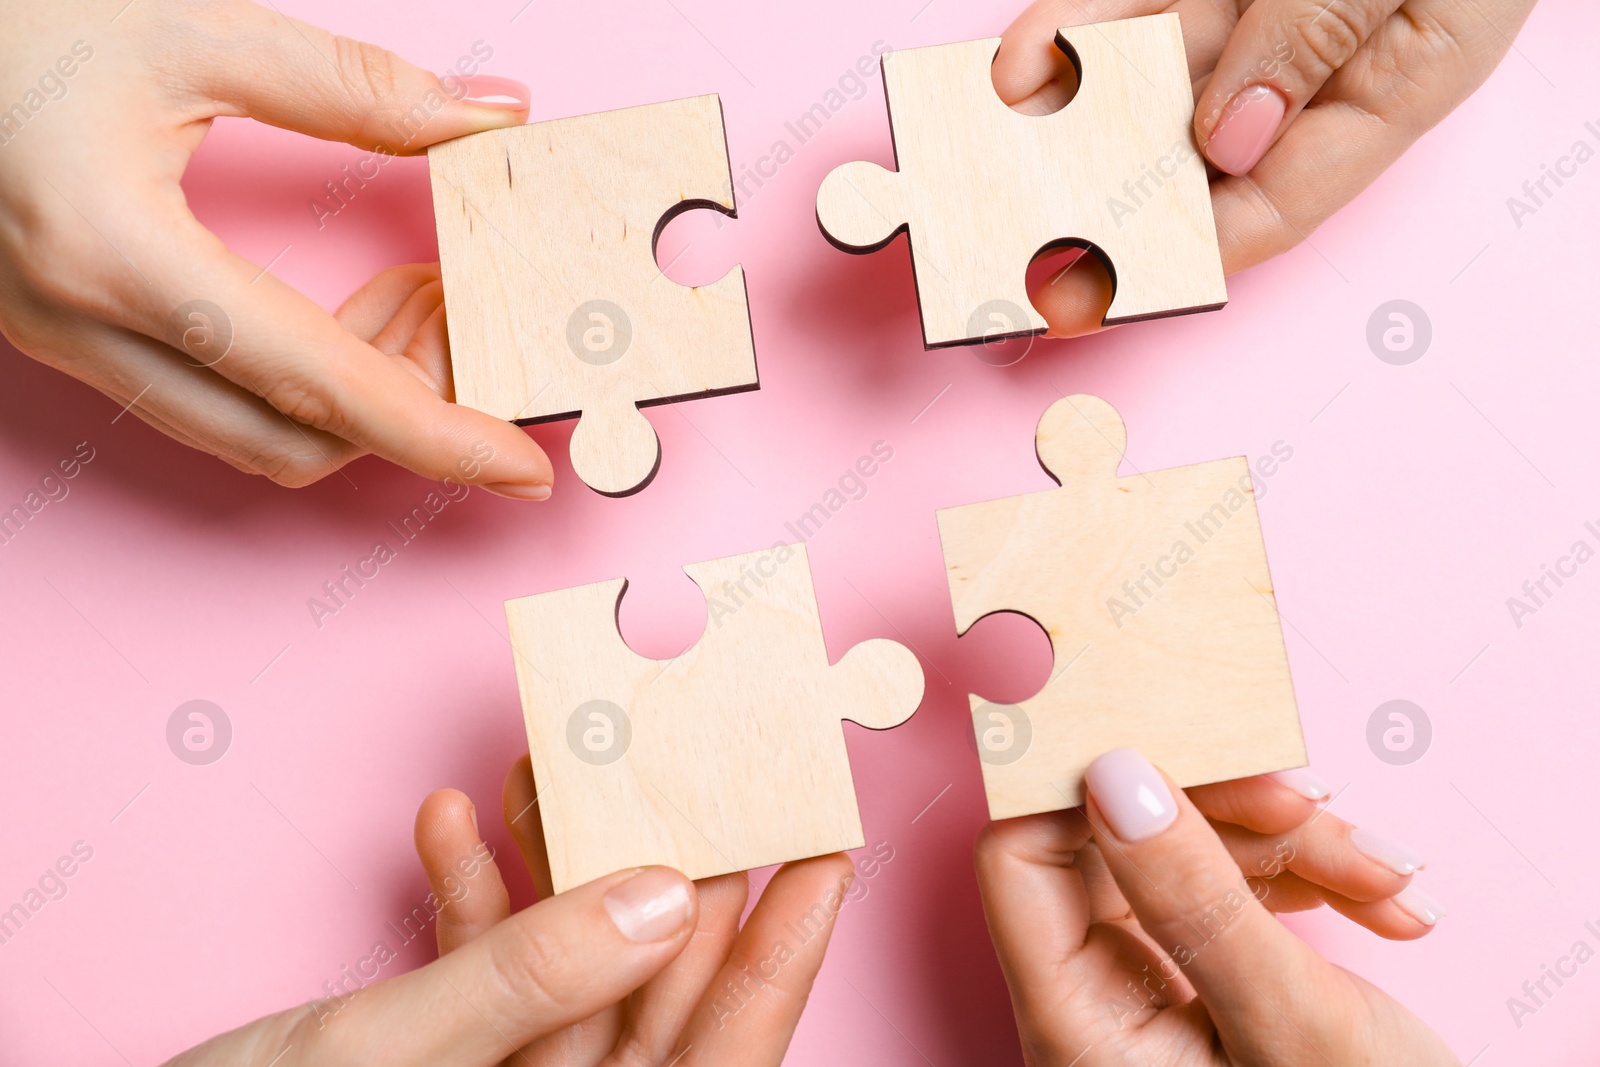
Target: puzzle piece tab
730,756
983,189
556,306
1155,594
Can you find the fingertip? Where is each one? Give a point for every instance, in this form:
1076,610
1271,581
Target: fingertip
652,905
1304,782
475,103
1409,915
1394,856
1261,804
1421,907
837,864
495,93
514,465
1132,797
443,813
519,808
517,792
512,491
1246,128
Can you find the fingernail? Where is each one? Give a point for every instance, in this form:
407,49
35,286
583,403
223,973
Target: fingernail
472,810
1302,781
493,91
1248,123
651,906
1392,854
515,491
1131,793
1420,906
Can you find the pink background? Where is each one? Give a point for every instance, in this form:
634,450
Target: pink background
1418,499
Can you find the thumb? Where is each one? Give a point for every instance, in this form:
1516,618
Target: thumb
1264,988
539,971
287,73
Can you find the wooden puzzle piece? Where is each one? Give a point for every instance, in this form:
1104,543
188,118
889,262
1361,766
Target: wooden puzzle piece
555,304
1155,594
728,757
983,189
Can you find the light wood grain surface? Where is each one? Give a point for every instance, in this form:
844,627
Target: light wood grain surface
1154,591
555,302
984,189
727,757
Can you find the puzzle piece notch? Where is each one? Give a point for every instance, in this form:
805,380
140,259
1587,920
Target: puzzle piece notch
984,190
556,304
859,207
1080,437
1155,595
614,449
877,683
735,755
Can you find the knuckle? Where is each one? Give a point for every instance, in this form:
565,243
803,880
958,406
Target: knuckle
54,259
56,270
528,965
366,71
1331,36
1197,896
304,402
634,1051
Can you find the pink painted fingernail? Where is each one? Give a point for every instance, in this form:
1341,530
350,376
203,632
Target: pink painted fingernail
493,91
1392,854
1246,128
1420,906
515,491
651,906
1302,781
1131,793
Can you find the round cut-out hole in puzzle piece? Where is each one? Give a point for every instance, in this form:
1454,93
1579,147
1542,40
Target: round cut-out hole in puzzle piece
1071,283
662,613
698,243
1041,73
1005,657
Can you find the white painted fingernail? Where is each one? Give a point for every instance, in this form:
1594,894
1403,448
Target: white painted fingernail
1401,859
1304,782
1420,906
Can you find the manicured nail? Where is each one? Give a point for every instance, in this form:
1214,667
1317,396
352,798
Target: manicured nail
651,906
1131,793
1392,854
1302,781
519,492
1419,905
493,91
1248,123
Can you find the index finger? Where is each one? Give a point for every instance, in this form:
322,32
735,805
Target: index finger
1192,900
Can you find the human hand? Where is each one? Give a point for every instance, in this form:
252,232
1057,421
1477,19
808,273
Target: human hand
106,275
642,968
1300,105
1129,936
